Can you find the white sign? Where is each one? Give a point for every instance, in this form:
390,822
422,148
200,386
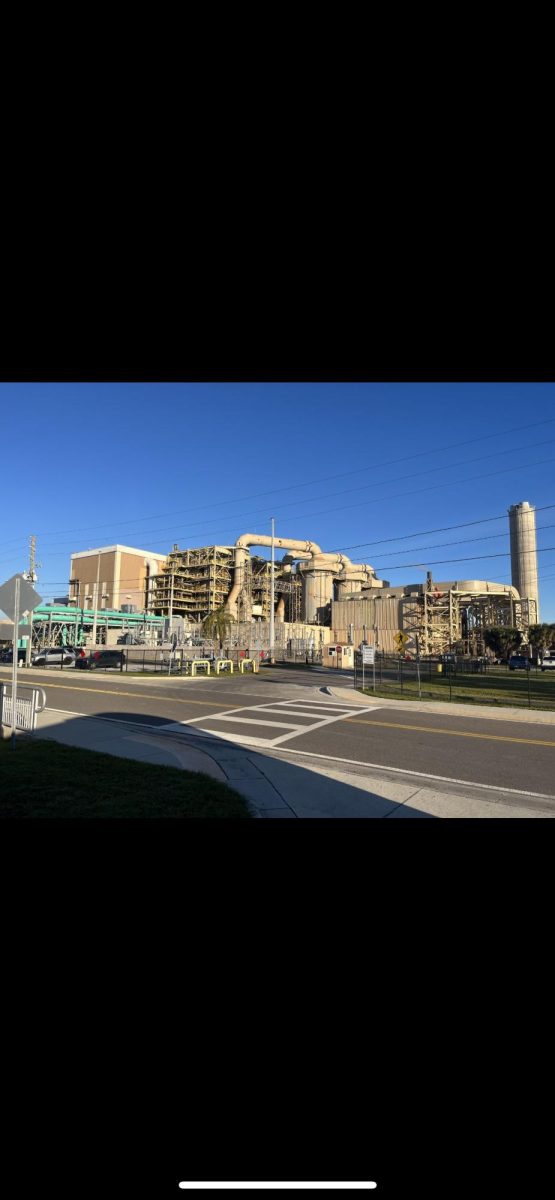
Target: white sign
368,654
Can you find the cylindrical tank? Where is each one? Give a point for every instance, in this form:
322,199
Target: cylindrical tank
318,591
524,559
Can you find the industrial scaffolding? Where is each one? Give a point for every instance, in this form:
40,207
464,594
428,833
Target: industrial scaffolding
442,616
193,583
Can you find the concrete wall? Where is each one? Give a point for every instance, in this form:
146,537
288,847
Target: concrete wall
122,574
380,615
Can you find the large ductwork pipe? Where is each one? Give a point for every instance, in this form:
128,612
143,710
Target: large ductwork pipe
242,547
354,577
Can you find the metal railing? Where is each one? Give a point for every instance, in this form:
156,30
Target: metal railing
29,702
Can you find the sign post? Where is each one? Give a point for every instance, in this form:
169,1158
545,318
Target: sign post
16,594
15,655
369,656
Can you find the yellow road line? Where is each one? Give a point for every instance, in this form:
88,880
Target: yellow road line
72,687
489,737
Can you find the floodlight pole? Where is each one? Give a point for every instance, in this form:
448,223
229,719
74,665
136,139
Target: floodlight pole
14,657
272,599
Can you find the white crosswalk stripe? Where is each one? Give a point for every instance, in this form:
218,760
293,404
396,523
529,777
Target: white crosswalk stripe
316,714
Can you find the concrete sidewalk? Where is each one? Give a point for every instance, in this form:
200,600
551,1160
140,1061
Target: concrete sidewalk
291,785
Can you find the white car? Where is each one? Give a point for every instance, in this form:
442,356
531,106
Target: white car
548,661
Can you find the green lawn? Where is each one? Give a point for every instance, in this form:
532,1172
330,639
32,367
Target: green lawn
502,688
45,779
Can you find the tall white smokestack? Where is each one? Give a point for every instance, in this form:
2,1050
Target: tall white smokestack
524,558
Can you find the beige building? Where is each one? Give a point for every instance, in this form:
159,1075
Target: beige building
113,577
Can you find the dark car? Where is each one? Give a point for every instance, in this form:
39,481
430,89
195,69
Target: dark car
7,655
101,658
55,655
519,662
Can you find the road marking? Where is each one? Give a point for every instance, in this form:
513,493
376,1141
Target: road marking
282,708
72,687
357,762
489,737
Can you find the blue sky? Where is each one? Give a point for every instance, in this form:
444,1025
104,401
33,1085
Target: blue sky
353,466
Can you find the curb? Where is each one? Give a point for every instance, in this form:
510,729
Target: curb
539,716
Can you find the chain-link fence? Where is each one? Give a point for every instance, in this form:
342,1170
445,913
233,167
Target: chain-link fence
451,678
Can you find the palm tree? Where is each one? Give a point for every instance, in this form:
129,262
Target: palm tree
217,625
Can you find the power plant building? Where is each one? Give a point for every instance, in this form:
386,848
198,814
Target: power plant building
319,596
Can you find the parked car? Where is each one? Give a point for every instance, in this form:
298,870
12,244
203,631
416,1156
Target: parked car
101,658
7,655
54,656
519,662
548,661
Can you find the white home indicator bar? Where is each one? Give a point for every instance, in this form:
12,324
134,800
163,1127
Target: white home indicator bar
337,1187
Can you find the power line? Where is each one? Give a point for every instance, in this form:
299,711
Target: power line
440,529
462,541
469,558
326,479
342,508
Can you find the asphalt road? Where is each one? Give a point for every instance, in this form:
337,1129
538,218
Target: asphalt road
282,710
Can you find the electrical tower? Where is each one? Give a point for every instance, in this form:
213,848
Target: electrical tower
31,574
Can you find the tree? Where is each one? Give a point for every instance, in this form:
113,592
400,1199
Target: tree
541,638
502,640
217,625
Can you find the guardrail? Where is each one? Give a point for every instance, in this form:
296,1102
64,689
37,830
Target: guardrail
248,662
200,662
222,664
30,701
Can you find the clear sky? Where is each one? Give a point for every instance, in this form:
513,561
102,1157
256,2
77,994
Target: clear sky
353,466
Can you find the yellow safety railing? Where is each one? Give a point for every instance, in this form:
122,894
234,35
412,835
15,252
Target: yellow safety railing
253,662
200,662
224,662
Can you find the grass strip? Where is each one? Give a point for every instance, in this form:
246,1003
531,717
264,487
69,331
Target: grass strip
42,778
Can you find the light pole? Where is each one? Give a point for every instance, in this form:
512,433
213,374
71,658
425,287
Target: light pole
95,600
272,599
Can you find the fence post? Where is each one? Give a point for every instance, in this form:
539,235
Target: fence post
529,699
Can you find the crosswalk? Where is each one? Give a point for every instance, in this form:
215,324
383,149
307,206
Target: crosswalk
286,719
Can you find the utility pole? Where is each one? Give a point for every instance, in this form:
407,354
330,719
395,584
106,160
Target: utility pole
239,594
95,599
272,599
171,608
31,575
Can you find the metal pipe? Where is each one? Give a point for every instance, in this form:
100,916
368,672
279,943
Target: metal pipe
247,540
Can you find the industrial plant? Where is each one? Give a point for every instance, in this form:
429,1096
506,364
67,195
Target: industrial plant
321,598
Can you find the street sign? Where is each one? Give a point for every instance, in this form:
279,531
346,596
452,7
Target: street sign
368,654
28,597
17,596
338,650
